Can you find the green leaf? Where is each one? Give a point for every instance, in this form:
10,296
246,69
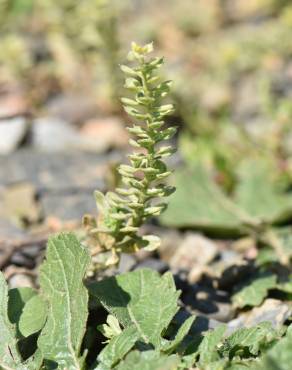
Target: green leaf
111,328
33,317
101,201
18,297
209,345
181,334
61,281
141,298
278,246
153,242
251,338
187,207
258,193
280,356
148,360
129,71
258,199
286,287
255,292
243,364
119,346
217,365
9,356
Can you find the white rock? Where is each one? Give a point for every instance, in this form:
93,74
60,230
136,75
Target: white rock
195,250
12,132
20,280
53,134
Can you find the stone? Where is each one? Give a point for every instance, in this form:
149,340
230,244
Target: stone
127,262
57,171
272,310
12,132
20,203
170,241
194,250
18,277
9,231
229,257
228,262
19,280
154,264
72,107
68,207
53,134
12,104
32,251
106,133
196,273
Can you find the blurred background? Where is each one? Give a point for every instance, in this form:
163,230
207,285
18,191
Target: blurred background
62,125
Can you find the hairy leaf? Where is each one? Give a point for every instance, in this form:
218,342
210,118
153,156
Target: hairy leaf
278,246
255,292
280,356
149,360
259,194
118,347
33,316
141,298
252,338
9,356
182,332
188,205
17,298
61,280
258,199
208,347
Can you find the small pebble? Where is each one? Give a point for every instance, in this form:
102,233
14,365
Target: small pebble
154,264
20,280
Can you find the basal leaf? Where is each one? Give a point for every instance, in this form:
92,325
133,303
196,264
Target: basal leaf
209,346
17,298
9,356
255,292
286,287
182,332
118,347
280,356
61,280
141,298
200,202
149,360
33,316
258,193
217,365
278,246
251,338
